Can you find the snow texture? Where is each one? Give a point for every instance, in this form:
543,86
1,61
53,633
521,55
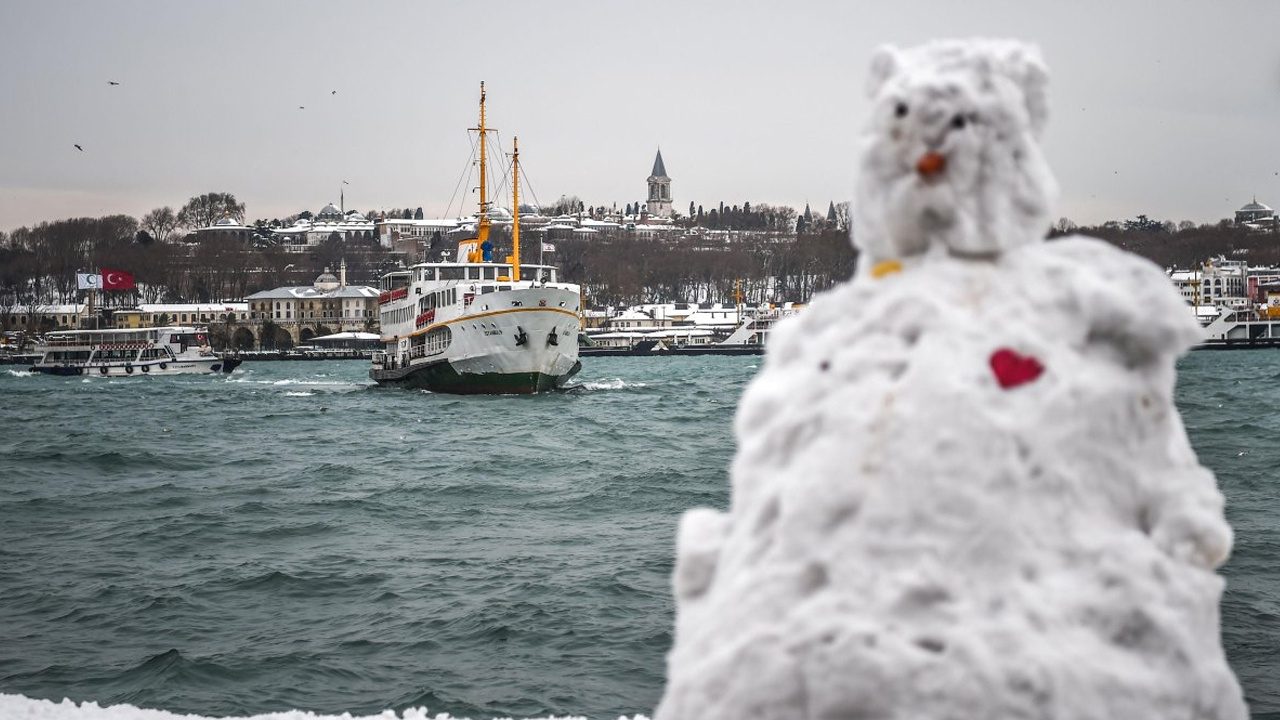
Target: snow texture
917,531
16,707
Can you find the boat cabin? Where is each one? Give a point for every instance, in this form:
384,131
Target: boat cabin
465,272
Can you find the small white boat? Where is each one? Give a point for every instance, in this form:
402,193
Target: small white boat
141,352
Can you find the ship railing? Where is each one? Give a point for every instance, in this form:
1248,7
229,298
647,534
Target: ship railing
99,343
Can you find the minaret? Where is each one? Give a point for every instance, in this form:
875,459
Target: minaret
659,189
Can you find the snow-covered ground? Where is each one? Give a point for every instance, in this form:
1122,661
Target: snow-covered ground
16,707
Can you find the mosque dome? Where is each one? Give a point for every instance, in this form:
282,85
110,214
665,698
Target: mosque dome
326,281
226,221
1255,206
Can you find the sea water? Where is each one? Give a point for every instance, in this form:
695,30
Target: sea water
291,536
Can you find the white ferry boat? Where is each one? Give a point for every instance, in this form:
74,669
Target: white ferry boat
476,325
1239,328
174,350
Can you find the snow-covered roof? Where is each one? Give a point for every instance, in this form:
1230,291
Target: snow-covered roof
632,315
218,307
1254,207
432,223
54,309
349,336
309,292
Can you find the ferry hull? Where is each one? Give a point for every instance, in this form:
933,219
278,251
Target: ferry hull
443,377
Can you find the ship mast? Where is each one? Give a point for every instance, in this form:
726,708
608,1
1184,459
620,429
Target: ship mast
482,233
515,209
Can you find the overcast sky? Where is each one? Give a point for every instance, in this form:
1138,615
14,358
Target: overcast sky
1169,109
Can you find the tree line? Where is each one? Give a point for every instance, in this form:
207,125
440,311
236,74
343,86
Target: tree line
752,249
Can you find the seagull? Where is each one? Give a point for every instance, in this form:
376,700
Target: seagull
302,107
112,82
335,92
79,148
344,182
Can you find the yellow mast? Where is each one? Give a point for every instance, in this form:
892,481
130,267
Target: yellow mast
515,210
482,233
737,298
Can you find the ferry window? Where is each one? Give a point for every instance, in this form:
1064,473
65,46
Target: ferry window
451,273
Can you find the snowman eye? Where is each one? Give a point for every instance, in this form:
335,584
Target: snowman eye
958,122
900,110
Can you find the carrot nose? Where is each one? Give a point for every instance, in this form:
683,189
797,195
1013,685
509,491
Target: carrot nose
931,164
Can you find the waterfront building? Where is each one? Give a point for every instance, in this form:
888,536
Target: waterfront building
635,319
161,314
1218,282
286,316
43,318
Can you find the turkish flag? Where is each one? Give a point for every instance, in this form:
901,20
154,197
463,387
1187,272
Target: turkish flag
117,280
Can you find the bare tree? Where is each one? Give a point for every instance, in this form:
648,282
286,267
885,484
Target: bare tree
204,210
160,223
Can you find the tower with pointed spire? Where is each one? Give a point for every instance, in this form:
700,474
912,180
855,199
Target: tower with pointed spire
659,204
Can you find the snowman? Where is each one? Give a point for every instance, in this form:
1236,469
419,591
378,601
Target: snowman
962,488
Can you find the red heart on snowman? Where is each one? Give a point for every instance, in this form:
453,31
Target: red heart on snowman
1012,369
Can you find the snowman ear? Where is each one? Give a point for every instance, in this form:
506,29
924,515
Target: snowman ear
1022,64
885,63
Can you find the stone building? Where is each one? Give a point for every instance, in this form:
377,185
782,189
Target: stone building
288,316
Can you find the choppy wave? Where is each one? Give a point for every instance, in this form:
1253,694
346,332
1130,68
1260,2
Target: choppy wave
614,384
237,545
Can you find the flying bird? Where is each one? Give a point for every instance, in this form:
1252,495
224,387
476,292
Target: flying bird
335,92
112,82
302,107
79,148
344,182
